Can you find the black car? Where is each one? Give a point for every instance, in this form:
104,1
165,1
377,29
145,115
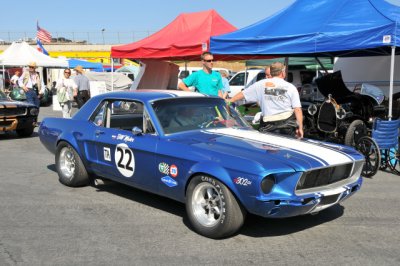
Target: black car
18,116
341,116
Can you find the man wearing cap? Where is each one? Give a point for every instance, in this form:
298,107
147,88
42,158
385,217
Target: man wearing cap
30,81
279,101
83,87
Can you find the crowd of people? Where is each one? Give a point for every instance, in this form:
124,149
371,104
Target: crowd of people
278,99
67,89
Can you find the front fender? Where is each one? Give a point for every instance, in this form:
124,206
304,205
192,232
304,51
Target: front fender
217,171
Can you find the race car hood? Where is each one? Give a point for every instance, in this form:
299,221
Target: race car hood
271,150
12,103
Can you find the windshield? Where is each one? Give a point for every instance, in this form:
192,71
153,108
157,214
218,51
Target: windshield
184,114
373,91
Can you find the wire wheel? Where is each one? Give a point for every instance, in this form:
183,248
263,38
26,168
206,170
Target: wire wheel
368,147
393,160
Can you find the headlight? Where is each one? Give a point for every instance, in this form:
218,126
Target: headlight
267,184
34,111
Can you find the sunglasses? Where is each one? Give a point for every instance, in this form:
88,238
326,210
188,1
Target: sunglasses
67,72
209,61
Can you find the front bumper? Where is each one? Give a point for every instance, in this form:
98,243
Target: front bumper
10,124
306,203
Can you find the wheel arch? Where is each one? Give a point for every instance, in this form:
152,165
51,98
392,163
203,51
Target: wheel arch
218,172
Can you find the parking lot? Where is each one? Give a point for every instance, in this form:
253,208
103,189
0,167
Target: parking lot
45,223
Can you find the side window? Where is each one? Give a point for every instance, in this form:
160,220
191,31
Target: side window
126,115
117,114
260,76
99,117
237,80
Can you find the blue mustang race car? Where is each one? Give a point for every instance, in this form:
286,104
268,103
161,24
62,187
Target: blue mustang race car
195,149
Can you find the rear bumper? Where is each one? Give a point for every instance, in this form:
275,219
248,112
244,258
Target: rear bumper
304,204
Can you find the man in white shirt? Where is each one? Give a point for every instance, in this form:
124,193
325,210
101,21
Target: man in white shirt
279,101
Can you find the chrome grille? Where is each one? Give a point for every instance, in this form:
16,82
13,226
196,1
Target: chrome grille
12,111
324,176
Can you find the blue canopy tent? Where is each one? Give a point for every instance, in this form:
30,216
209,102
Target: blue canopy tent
72,63
319,28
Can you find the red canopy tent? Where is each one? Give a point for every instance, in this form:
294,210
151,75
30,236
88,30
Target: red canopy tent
185,38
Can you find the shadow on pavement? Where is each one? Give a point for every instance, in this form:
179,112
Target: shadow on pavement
254,226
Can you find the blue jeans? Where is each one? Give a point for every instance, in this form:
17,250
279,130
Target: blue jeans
32,98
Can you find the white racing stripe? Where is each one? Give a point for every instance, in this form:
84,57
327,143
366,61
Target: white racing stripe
326,154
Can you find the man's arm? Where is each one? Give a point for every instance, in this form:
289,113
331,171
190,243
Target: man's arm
238,96
183,86
299,118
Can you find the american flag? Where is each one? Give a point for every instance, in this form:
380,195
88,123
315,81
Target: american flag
43,34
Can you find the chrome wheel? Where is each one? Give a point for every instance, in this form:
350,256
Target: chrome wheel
67,162
206,204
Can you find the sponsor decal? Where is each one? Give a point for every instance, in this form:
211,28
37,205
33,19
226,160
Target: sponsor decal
122,137
124,160
173,170
242,181
169,181
107,154
163,168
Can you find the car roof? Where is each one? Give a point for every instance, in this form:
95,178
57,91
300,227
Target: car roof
149,95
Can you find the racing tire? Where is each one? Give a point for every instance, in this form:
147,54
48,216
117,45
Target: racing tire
25,132
212,209
70,168
370,149
356,130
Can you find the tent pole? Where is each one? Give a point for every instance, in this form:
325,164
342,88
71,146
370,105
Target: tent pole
112,74
391,81
322,65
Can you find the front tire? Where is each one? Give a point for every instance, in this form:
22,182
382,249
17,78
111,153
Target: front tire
212,209
70,168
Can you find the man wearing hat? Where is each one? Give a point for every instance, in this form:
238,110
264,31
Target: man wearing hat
83,87
279,101
31,84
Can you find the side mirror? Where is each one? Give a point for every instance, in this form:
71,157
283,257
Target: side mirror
137,131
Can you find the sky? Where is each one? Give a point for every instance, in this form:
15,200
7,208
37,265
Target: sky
80,19
125,16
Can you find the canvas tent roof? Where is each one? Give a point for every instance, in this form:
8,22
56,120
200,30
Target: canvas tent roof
21,54
319,28
185,38
72,63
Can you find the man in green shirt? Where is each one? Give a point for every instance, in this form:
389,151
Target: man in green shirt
206,80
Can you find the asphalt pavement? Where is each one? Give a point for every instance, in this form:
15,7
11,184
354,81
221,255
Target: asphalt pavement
43,222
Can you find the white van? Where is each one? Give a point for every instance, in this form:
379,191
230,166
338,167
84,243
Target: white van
296,77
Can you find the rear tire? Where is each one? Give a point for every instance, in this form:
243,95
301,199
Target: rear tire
70,168
212,209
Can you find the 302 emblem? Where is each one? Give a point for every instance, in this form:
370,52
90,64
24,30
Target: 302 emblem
242,181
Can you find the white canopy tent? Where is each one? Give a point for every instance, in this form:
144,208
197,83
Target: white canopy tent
21,54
